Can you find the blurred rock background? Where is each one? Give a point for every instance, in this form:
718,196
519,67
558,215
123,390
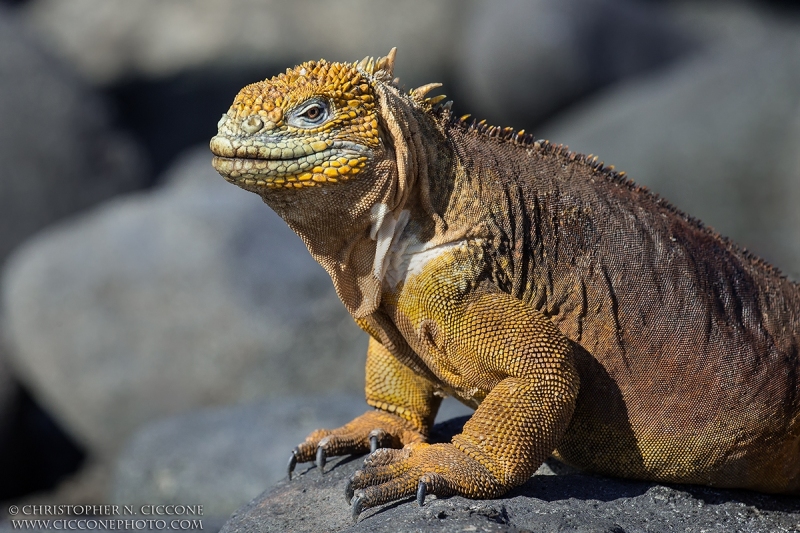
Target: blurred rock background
139,289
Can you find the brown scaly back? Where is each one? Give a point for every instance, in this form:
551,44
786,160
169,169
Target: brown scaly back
597,169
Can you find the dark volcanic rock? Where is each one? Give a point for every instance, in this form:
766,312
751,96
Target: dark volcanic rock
567,501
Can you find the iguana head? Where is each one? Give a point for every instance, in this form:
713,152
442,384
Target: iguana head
314,126
335,150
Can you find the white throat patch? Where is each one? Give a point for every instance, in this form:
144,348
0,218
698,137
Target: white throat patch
396,257
385,230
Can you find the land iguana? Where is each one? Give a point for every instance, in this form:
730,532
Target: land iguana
580,315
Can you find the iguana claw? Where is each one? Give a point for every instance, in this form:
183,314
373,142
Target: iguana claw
376,438
321,459
348,490
422,490
292,464
357,506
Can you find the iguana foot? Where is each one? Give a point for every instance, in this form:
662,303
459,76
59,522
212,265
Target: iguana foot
367,433
419,469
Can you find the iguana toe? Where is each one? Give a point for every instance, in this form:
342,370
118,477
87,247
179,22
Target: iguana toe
385,456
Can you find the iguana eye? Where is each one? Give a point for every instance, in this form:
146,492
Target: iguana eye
310,114
313,112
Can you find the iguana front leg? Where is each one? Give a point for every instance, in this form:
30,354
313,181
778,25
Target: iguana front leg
405,407
479,341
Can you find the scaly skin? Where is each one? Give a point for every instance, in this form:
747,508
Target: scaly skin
579,314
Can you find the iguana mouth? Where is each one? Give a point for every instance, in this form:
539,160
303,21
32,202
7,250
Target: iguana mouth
281,164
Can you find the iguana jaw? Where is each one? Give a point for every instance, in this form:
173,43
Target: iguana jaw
259,163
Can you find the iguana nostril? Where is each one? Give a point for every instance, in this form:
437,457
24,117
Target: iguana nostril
252,124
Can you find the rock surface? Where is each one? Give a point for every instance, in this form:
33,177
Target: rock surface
567,501
717,136
193,294
58,150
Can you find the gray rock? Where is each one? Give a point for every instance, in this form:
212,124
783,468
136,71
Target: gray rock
58,151
222,458
728,21
8,410
520,61
567,501
109,40
193,294
59,154
717,136
514,61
